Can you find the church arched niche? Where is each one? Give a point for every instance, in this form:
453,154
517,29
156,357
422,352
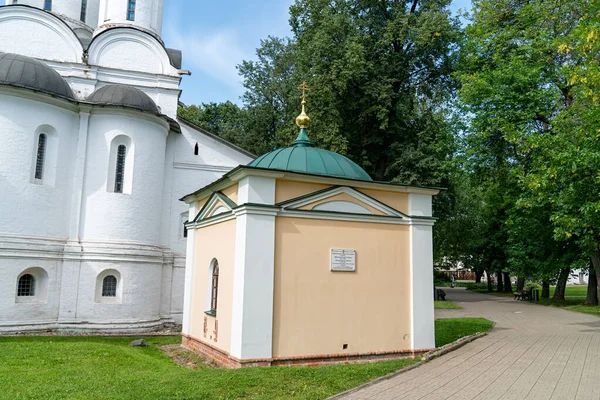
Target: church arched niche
44,156
130,49
120,165
35,33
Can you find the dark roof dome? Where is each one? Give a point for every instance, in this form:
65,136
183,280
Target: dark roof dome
123,95
303,157
26,72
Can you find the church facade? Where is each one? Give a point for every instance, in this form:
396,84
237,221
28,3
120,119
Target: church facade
93,162
300,258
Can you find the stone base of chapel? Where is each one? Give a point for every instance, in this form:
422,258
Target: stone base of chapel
224,359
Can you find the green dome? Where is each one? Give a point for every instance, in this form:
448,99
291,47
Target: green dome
301,156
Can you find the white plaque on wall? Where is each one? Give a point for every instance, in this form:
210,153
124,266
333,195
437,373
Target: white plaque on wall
343,260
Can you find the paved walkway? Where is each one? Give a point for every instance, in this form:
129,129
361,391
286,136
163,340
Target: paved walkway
533,352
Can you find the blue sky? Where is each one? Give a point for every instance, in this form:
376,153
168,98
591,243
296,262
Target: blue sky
216,36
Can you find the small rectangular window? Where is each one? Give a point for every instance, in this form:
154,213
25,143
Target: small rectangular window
48,5
41,155
120,170
131,10
83,10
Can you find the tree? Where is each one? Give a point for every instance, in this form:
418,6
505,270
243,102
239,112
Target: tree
516,85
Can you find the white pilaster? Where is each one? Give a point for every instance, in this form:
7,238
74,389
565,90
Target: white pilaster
79,175
189,270
71,269
421,274
253,279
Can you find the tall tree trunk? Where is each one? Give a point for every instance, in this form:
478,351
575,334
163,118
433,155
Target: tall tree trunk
591,298
489,281
561,285
507,284
596,265
545,290
500,286
478,276
520,283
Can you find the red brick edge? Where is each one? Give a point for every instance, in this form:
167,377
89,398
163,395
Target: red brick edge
224,359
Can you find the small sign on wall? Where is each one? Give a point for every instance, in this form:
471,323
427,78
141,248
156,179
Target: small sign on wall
343,260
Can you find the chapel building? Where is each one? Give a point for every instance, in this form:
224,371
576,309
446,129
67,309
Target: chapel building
300,258
93,162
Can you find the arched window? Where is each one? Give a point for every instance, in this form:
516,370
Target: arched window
40,157
120,170
83,10
26,286
214,287
109,286
48,5
131,10
196,149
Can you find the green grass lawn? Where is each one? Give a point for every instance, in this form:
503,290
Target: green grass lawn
108,368
446,305
571,291
451,329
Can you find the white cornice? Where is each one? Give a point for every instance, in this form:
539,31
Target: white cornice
242,172
201,167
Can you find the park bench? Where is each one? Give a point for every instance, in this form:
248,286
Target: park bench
524,294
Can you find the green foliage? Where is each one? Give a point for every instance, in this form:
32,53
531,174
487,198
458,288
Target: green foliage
440,276
526,136
477,286
380,73
449,330
533,285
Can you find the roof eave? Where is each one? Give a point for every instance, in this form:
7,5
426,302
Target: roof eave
243,171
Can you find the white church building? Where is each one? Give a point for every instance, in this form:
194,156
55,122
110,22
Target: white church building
93,162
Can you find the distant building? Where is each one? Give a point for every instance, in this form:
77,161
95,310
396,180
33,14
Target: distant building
93,162
300,258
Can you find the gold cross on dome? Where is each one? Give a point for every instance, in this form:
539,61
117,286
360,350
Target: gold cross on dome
304,87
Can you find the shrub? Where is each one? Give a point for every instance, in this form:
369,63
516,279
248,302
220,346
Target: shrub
439,276
476,286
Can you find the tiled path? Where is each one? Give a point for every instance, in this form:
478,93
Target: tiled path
533,352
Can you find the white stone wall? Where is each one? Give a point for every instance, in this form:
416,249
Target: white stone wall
72,226
30,209
135,216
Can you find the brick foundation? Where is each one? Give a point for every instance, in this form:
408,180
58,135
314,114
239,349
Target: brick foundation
224,359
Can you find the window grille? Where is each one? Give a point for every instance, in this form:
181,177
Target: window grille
83,14
26,287
120,170
131,10
41,155
196,150
214,287
48,5
109,286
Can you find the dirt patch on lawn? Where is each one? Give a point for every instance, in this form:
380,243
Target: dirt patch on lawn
185,358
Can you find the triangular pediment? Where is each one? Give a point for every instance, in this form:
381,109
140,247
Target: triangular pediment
217,204
341,199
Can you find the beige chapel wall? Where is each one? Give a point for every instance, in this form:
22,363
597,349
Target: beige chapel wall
316,310
398,201
214,241
287,190
231,192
